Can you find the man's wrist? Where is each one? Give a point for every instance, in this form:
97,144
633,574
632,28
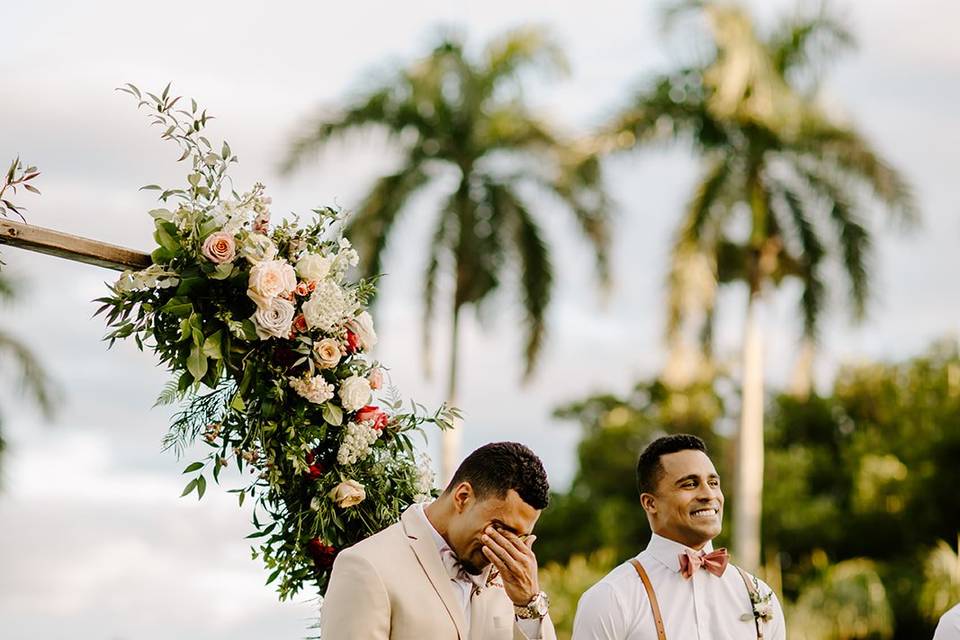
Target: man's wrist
535,608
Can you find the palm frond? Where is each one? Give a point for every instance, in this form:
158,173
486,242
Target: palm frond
377,108
504,57
671,107
33,380
854,239
578,183
536,271
812,253
851,154
683,276
806,41
370,227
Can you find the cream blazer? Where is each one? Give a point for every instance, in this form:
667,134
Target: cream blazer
393,585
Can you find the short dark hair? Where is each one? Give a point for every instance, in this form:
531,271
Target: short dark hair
649,468
495,468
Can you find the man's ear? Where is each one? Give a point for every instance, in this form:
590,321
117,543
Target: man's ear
462,495
649,503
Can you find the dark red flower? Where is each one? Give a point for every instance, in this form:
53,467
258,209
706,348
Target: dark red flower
353,342
321,553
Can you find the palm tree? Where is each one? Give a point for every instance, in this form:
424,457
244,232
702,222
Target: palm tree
33,381
785,186
463,118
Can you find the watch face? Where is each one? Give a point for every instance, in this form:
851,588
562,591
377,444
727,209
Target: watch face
540,604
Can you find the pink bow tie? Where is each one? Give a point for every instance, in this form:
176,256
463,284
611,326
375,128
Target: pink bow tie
715,562
456,571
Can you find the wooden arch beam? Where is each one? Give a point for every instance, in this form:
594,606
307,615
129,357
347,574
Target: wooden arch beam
70,247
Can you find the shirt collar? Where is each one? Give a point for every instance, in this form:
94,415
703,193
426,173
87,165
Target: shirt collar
479,580
668,551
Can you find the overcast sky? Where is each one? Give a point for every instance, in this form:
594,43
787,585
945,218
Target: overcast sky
94,543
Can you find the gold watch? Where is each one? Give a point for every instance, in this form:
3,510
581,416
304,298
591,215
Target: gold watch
536,608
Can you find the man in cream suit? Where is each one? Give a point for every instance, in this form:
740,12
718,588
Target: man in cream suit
459,568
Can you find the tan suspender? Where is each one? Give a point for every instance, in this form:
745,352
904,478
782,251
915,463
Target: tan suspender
652,597
752,589
655,606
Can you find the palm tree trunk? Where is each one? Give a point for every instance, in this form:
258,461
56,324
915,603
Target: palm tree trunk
749,477
801,382
450,439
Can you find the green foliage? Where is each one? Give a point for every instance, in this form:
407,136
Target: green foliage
847,602
242,347
16,175
565,583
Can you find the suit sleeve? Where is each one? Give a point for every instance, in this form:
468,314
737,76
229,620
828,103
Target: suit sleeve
356,604
599,615
534,629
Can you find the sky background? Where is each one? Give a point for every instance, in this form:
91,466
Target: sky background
94,542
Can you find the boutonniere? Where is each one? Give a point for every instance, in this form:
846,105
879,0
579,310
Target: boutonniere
762,609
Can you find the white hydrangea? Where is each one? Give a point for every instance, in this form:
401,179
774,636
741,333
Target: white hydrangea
315,389
328,306
154,276
357,441
425,479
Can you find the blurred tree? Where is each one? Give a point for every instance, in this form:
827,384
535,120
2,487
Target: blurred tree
566,583
871,471
848,602
30,376
456,115
785,185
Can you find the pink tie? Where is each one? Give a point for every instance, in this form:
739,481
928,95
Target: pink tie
715,562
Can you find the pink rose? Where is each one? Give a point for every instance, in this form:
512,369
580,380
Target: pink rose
376,378
219,247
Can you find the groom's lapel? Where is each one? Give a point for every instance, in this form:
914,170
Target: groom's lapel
427,554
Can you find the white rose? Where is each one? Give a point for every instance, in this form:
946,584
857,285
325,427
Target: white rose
275,320
327,353
354,393
348,493
269,279
258,248
313,267
362,326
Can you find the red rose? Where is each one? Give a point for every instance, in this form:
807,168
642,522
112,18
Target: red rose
316,470
300,324
372,413
322,554
353,342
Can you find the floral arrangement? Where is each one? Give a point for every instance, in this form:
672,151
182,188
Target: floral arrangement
268,344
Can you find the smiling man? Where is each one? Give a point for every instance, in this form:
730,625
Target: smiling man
460,567
679,587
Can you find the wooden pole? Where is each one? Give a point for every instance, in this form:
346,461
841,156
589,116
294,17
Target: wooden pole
64,245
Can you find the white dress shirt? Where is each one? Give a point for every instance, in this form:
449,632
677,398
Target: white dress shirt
703,607
949,626
465,588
